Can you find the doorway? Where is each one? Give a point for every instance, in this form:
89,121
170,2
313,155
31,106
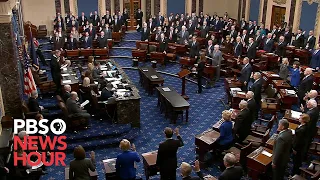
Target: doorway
132,6
278,16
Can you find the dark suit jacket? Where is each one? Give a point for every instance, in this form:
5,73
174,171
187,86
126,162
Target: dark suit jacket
311,42
258,41
92,33
312,125
55,70
139,16
281,49
287,37
86,44
82,22
194,49
282,148
191,29
237,49
232,173
174,37
57,45
204,31
102,42
73,107
299,141
183,37
95,20
145,35
245,73
305,86
268,46
251,51
209,50
72,45
252,106
256,88
96,73
299,42
167,154
117,27
33,105
163,45
108,34
243,124
152,26
234,34
199,177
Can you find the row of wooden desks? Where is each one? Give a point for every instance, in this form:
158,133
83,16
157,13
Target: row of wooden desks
172,102
150,78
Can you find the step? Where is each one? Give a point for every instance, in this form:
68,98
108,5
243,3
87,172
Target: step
106,142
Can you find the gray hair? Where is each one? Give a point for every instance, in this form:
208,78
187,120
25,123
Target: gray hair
243,104
258,74
34,93
250,94
230,159
313,103
284,123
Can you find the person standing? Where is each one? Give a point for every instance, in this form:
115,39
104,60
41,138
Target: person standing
200,68
216,61
281,150
56,69
167,154
139,16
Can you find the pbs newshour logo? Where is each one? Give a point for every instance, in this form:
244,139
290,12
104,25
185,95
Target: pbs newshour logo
38,143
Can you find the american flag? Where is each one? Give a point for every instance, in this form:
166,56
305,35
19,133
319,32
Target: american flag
29,84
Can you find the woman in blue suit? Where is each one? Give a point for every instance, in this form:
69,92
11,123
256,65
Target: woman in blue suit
225,139
295,74
125,161
315,59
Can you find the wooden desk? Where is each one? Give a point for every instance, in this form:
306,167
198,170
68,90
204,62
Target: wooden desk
158,56
272,60
231,83
205,142
303,56
110,168
173,102
287,100
258,163
280,84
69,76
149,163
187,61
149,78
236,98
269,76
209,71
270,142
93,175
180,49
292,116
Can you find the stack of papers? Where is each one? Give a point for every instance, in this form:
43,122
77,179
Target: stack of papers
290,92
154,77
66,81
64,75
295,114
166,89
266,153
241,93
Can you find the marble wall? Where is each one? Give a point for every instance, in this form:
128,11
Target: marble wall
200,5
58,6
117,6
9,78
108,5
156,7
67,6
194,6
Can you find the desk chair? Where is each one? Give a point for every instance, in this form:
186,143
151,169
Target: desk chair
312,172
242,150
270,105
263,128
257,139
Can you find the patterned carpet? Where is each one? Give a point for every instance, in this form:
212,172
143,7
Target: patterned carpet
204,111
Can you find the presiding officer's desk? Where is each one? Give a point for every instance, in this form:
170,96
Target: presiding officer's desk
150,78
173,102
127,95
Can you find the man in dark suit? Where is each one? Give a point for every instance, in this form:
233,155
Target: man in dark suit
56,70
310,41
243,122
204,30
86,41
287,35
281,48
281,150
194,47
107,32
91,30
167,154
299,39
245,72
66,93
139,16
191,27
102,40
95,19
151,25
256,88
96,72
245,38
217,24
237,47
313,112
183,35
107,18
305,85
145,32
125,17
172,35
72,43
258,39
243,24
186,170
252,105
299,143
268,43
232,172
59,24
251,49
82,19
117,24
159,20
74,108
58,42
209,50
33,103
163,43
233,33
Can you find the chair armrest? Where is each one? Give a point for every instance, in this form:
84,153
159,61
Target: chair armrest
271,99
257,134
315,162
304,170
238,145
264,120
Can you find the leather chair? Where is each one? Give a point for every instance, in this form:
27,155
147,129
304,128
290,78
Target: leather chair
42,31
141,55
7,122
263,128
47,87
257,139
312,172
242,150
74,123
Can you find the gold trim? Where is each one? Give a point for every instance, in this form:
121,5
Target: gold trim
280,2
75,7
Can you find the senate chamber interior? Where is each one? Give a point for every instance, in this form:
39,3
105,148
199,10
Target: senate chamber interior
159,89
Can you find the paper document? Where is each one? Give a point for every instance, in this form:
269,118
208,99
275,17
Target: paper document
145,70
63,75
104,69
166,89
293,131
154,77
291,92
241,93
275,75
84,103
266,153
235,89
295,114
66,81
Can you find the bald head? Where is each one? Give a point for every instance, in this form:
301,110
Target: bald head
67,88
308,71
313,94
312,104
249,95
185,169
74,95
243,104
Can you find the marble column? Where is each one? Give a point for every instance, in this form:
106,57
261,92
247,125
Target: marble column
143,9
194,6
58,6
188,7
148,9
264,11
297,16
163,7
117,6
243,14
197,8
200,5
10,77
247,10
156,7
108,5
292,8
67,6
